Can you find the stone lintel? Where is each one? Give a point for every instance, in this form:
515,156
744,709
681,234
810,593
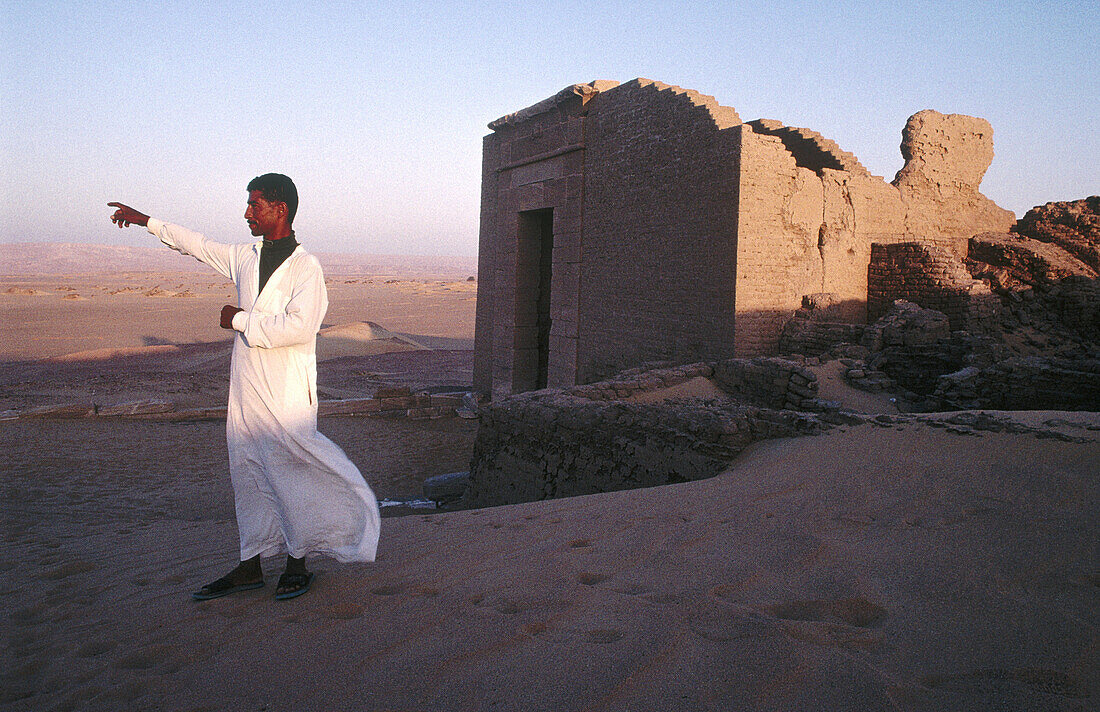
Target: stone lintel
584,91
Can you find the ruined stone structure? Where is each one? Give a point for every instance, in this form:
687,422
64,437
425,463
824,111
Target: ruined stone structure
644,428
637,222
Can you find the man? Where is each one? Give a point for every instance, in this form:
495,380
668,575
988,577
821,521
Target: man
295,491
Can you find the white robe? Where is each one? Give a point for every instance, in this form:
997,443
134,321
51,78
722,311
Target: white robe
295,490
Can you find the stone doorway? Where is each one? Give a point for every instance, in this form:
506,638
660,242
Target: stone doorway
533,276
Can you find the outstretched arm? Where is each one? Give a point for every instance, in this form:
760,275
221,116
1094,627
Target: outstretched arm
221,257
126,216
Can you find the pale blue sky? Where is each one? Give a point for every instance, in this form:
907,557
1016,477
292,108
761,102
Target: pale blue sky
378,112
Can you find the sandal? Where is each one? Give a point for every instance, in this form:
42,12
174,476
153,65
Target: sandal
223,587
295,585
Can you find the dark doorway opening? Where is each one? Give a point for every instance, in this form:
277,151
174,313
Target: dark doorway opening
534,266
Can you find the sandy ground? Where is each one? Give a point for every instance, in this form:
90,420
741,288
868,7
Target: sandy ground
900,565
113,338
46,316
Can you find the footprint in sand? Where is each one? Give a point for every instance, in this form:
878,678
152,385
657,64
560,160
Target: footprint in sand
345,611
727,592
603,636
31,615
22,642
67,570
500,604
92,648
145,658
590,579
846,623
532,629
858,612
722,624
509,608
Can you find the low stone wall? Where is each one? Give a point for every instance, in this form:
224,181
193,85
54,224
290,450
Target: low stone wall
813,338
612,435
397,402
1034,383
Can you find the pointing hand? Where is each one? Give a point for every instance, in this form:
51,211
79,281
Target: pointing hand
125,215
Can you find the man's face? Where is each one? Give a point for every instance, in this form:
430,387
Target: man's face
263,216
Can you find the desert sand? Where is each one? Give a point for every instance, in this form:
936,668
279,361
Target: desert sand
908,563
901,567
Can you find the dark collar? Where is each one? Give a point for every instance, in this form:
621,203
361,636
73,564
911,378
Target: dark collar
286,244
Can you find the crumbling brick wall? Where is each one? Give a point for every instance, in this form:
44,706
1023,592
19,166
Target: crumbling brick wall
930,276
803,228
946,157
802,335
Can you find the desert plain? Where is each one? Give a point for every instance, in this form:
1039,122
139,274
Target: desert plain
904,563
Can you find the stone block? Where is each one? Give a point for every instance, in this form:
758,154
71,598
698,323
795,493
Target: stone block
143,407
67,410
393,403
347,406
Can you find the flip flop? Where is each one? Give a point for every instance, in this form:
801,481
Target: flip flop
223,587
301,581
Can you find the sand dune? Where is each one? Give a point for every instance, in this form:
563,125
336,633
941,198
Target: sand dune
361,339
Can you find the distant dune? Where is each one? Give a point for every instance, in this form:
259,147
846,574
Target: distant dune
27,258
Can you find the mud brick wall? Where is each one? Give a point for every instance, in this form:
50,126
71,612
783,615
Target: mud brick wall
1035,383
946,157
558,443
797,235
771,382
929,276
660,222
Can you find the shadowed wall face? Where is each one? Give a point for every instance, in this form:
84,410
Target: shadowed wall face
660,226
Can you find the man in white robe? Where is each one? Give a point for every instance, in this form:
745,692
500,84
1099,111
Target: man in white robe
295,491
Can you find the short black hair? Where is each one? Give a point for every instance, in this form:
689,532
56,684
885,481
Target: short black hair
277,188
